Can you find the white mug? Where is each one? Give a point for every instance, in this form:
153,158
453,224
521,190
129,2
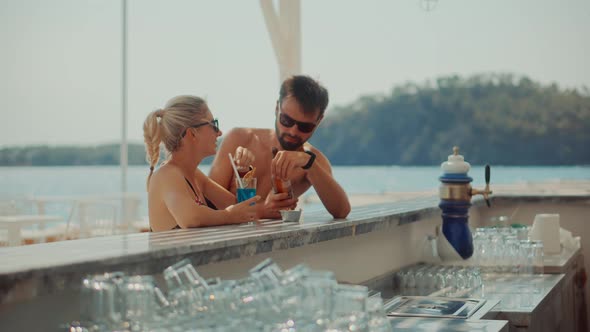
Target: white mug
546,228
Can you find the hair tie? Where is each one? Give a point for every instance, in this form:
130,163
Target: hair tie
151,168
160,113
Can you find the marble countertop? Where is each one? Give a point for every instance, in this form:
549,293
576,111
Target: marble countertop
138,253
51,267
220,243
442,324
518,294
517,298
484,319
561,262
514,298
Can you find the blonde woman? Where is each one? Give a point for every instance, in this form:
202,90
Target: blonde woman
179,194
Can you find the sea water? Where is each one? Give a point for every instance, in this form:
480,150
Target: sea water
79,181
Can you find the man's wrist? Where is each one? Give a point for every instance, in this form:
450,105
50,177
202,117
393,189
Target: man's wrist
310,161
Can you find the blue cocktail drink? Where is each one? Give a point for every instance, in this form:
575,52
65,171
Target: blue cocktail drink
245,193
246,189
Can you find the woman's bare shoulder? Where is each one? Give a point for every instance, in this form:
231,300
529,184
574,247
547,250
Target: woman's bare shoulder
166,174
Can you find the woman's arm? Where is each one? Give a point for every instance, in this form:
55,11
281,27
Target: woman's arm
220,196
187,213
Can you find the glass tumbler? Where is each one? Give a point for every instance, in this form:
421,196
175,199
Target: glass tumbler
101,300
537,253
526,257
140,298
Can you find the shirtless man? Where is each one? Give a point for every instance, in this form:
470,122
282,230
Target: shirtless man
298,112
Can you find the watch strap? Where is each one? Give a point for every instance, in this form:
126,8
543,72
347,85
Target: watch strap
311,160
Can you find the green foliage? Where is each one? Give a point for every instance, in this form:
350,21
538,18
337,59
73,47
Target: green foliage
498,119
70,155
107,154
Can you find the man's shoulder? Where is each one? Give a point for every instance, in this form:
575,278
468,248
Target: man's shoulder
316,151
309,147
246,135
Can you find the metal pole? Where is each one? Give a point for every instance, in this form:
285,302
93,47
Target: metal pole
123,158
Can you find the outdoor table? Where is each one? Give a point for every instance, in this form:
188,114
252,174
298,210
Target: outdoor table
13,224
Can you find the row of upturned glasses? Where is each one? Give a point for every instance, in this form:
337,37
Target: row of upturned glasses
426,279
506,250
268,299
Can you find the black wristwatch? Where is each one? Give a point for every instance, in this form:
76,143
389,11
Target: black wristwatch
311,160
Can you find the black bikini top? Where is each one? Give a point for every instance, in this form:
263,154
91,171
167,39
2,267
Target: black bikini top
197,200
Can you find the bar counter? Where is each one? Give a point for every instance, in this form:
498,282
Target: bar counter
373,239
148,253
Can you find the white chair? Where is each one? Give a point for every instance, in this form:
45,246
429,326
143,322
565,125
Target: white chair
40,232
56,231
96,218
11,207
141,226
14,207
7,208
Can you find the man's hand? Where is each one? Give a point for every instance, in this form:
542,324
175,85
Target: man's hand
276,202
286,162
243,158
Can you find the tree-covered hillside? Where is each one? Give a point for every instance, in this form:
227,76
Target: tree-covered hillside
108,154
498,119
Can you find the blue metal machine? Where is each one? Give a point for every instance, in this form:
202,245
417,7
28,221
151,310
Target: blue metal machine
455,200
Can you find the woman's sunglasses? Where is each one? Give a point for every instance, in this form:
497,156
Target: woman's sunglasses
287,121
214,124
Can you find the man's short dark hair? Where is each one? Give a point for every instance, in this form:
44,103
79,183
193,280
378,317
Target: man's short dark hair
308,92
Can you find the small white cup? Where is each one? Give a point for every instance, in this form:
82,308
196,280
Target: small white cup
290,215
546,228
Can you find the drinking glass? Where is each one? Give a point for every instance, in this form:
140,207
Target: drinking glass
474,277
318,294
499,221
100,303
421,279
526,257
441,278
537,253
185,287
183,274
522,231
511,254
378,321
280,186
269,299
247,191
479,240
140,298
349,299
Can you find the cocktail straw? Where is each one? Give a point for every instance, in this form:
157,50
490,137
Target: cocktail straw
233,165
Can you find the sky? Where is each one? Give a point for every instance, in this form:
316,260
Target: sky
60,60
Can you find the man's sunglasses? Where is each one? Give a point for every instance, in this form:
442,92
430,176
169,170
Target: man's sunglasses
287,121
214,124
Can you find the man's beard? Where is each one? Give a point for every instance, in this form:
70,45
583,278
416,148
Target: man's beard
289,146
